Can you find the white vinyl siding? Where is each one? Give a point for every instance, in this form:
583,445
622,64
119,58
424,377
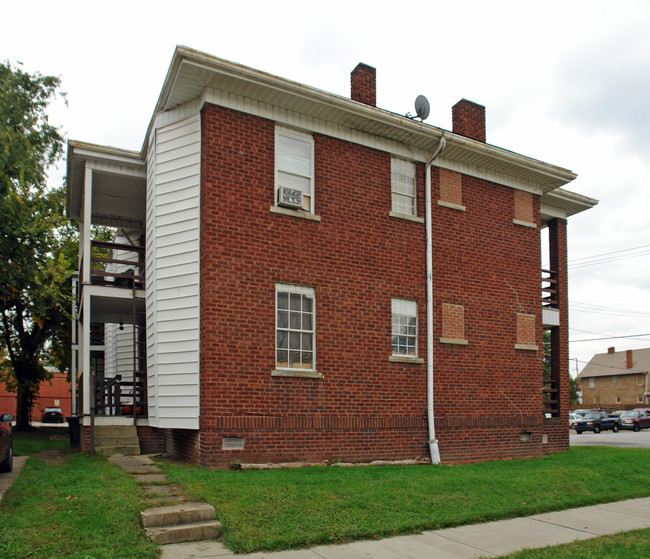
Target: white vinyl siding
294,165
173,276
403,186
404,327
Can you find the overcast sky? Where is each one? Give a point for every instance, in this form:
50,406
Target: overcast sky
567,82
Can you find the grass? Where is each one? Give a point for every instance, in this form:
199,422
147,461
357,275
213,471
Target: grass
27,443
628,545
89,508
280,509
84,508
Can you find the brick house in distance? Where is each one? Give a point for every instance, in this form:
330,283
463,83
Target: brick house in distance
307,277
616,379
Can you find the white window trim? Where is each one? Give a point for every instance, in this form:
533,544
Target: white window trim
400,357
292,371
394,212
294,134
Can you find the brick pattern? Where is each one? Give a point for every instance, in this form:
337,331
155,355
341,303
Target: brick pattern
152,440
365,407
524,206
453,321
451,187
363,84
526,329
468,119
627,387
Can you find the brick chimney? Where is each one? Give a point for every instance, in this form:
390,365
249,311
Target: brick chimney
468,119
611,349
628,359
363,84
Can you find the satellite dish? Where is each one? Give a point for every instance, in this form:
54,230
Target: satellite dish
421,107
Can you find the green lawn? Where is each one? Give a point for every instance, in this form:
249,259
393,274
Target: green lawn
280,509
89,508
628,545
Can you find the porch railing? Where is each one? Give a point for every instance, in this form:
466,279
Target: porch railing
549,289
132,277
551,400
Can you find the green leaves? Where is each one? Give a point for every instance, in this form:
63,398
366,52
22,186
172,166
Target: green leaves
37,243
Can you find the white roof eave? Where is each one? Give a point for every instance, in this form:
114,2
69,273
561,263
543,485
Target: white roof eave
191,72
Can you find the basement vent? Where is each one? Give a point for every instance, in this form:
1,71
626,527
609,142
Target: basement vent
233,443
544,439
525,437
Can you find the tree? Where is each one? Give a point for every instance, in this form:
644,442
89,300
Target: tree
36,239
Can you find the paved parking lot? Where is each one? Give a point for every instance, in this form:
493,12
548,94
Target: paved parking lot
623,438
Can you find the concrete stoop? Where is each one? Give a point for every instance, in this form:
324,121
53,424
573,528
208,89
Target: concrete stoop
187,522
116,439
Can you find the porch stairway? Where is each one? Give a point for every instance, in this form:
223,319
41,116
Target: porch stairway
116,439
175,520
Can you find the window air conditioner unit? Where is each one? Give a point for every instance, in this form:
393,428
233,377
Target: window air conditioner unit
289,198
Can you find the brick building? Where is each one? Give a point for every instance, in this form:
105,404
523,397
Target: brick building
51,393
616,379
308,277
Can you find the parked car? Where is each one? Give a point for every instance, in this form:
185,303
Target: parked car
6,443
635,419
52,415
597,421
573,417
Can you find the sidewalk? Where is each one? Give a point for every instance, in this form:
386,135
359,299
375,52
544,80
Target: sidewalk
481,540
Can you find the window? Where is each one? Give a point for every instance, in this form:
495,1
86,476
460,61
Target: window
618,399
294,166
295,327
614,379
403,186
640,399
405,327
591,382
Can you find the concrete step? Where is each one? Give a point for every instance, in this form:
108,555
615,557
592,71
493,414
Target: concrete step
177,514
109,450
195,531
116,440
116,430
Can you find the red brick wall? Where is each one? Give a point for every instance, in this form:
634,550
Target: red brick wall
487,393
52,393
151,439
356,258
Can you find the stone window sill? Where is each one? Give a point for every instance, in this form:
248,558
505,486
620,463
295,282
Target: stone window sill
294,213
527,347
456,341
524,223
296,373
406,217
405,359
451,205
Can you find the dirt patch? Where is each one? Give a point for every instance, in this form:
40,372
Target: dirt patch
54,457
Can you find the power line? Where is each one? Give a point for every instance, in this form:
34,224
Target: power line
612,338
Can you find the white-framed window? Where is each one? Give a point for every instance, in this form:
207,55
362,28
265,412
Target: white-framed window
403,186
294,168
295,327
591,382
404,327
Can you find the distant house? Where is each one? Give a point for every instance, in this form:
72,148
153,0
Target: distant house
299,276
616,379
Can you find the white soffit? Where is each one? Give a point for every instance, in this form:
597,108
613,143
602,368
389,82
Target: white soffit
192,72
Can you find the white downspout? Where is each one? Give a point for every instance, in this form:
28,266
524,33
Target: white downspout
433,442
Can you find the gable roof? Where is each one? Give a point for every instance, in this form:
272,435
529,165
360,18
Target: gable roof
613,364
